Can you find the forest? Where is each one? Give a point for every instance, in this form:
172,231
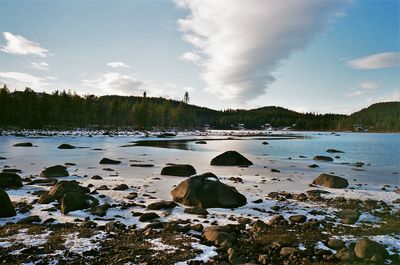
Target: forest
66,110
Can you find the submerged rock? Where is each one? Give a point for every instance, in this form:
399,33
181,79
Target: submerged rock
54,172
230,158
10,181
27,144
323,158
66,146
6,208
178,170
331,181
108,161
73,201
333,151
206,191
200,142
313,166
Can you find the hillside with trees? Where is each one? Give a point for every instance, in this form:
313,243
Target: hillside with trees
29,109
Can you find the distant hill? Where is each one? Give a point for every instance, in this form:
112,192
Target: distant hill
383,116
28,109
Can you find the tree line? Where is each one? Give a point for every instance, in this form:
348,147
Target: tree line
62,109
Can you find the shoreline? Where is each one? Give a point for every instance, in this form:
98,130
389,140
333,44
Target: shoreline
278,191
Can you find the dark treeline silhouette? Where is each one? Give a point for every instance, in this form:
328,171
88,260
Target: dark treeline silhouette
28,109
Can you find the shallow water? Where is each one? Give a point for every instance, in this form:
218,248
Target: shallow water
381,151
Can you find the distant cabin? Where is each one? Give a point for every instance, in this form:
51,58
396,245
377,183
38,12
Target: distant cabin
267,127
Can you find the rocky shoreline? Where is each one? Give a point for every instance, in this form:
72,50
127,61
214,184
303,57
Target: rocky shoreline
176,215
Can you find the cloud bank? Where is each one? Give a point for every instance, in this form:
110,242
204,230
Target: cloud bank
376,61
240,43
116,83
22,80
118,65
18,45
40,65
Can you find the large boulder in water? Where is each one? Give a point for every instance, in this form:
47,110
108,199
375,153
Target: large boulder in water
206,191
108,161
230,158
54,172
63,187
23,145
73,201
331,181
10,181
6,208
178,170
66,146
323,158
366,248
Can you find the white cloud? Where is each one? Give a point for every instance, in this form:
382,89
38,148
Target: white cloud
22,80
190,57
369,85
40,65
242,43
355,94
51,78
118,65
115,83
376,61
16,44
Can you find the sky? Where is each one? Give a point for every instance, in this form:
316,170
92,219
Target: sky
323,56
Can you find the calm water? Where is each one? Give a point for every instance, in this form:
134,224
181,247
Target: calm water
376,149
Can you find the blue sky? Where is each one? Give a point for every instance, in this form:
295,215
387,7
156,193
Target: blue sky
309,55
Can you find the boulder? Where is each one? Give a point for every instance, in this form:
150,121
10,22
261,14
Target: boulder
73,201
11,170
200,142
54,172
108,161
161,205
45,198
230,158
206,191
331,181
178,170
335,244
313,166
6,209
66,146
23,145
61,188
146,217
121,187
219,235
287,251
100,210
323,158
30,219
366,248
348,216
330,150
10,181
298,218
